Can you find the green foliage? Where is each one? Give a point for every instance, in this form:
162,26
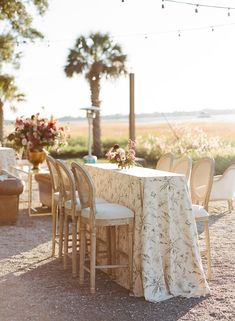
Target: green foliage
16,22
107,143
17,17
222,162
8,90
6,48
76,147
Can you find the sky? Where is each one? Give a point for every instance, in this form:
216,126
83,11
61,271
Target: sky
182,60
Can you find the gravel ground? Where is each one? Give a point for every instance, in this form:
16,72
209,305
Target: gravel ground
34,286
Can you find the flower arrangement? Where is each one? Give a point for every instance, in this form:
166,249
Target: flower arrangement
124,158
36,133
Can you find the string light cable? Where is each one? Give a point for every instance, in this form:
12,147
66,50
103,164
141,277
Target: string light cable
197,5
146,35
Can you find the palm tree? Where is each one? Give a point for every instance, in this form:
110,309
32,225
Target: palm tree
8,92
96,56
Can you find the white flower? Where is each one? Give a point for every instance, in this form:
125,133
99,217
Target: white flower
24,141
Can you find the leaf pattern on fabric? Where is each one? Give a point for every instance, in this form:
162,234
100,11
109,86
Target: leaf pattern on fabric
166,256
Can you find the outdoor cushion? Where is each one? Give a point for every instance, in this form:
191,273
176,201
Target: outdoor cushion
109,211
67,204
199,211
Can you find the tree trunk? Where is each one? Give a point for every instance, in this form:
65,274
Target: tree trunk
1,122
95,93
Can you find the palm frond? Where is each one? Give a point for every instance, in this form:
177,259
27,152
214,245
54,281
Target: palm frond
96,55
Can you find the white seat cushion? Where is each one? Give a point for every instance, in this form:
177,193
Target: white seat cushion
98,200
199,211
109,211
56,196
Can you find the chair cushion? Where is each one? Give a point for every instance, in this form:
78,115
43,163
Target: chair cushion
109,211
98,200
56,196
199,211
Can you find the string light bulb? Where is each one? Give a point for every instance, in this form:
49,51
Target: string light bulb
228,12
163,4
196,9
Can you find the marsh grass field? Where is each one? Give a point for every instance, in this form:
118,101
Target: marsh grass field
165,134
119,130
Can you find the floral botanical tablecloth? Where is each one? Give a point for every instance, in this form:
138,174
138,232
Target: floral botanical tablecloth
166,256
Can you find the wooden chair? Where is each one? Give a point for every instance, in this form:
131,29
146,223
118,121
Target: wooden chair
99,215
70,211
183,166
51,163
165,162
201,183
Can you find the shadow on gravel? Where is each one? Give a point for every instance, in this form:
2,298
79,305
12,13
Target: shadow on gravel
29,232
53,292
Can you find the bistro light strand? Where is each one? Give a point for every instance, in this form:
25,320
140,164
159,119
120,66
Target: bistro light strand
201,5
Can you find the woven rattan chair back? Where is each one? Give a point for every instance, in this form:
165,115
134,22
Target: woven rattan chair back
84,185
56,204
201,181
51,163
165,162
183,166
66,183
71,215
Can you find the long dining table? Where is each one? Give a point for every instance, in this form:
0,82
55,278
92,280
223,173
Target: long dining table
166,255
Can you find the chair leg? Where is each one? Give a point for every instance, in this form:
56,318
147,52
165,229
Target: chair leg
66,241
82,252
130,254
93,259
108,242
53,212
74,246
208,249
61,231
113,249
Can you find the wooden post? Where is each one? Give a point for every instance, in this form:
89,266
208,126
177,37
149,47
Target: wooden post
132,107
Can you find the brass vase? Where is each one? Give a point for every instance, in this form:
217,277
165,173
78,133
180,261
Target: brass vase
36,157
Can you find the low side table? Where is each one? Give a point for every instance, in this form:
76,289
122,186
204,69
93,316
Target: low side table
27,170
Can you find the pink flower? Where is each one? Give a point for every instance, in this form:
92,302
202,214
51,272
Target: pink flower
37,133
122,157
